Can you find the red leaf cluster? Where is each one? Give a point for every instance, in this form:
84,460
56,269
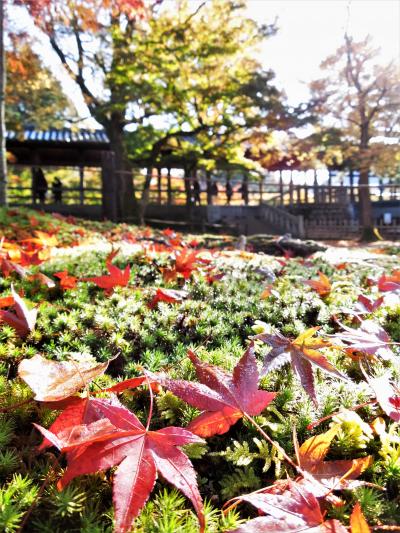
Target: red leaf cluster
322,286
167,295
66,281
389,283
223,398
295,509
115,277
23,320
185,262
98,434
302,353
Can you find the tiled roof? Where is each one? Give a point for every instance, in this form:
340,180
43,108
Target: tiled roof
61,135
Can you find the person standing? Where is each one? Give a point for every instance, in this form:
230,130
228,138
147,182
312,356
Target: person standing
39,185
244,189
196,192
228,192
57,189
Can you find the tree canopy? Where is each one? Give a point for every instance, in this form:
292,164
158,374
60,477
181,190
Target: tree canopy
360,97
150,72
33,96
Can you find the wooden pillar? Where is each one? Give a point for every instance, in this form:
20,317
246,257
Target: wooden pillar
316,191
280,188
169,188
392,189
329,185
188,188
209,191
81,185
260,186
298,191
159,176
306,193
351,180
291,189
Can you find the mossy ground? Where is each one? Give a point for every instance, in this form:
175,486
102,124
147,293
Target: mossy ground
216,320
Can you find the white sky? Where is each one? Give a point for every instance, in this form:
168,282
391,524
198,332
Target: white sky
309,31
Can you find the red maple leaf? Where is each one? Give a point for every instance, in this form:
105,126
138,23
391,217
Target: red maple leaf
223,398
387,395
107,435
6,301
389,283
295,510
167,295
29,258
22,320
369,338
322,286
301,352
367,305
9,266
115,278
42,279
66,281
185,262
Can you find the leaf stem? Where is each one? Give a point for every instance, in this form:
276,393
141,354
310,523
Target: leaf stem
274,444
15,405
151,404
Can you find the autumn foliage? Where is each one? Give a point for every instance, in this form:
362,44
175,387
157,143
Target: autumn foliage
151,425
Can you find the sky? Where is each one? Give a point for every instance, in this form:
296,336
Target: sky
309,31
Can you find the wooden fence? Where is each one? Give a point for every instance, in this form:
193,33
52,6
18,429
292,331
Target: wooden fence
172,190
18,196
329,228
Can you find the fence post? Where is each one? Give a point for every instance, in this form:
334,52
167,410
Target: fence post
280,187
291,190
301,226
330,186
169,189
351,179
81,185
159,176
316,191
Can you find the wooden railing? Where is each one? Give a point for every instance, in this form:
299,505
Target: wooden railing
290,195
282,221
174,193
18,196
341,228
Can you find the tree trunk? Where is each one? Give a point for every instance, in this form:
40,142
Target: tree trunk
365,205
125,198
145,195
108,180
3,151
